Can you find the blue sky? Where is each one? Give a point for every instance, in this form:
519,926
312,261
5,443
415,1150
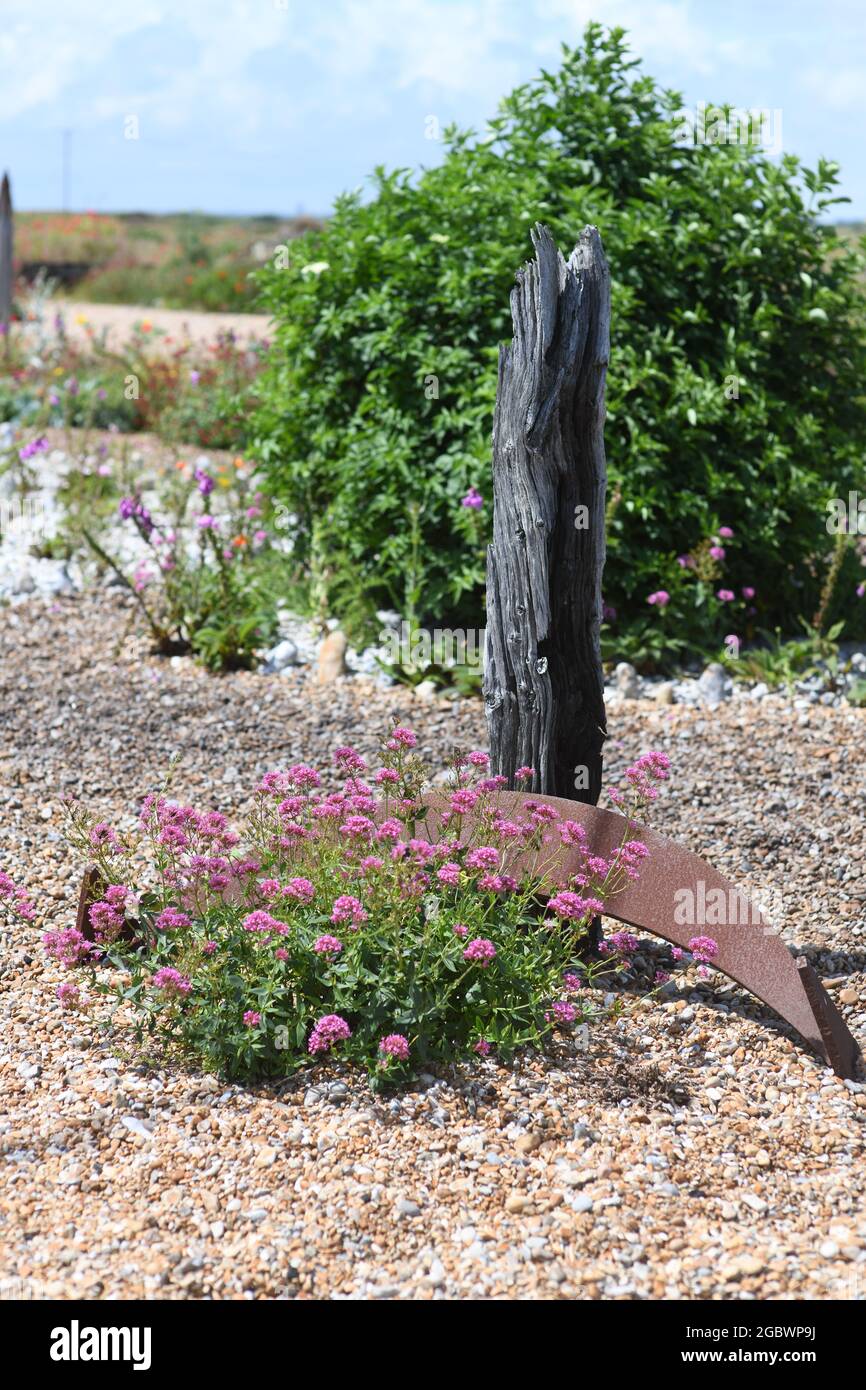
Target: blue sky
276,105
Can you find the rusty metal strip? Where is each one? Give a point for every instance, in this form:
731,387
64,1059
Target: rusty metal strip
751,952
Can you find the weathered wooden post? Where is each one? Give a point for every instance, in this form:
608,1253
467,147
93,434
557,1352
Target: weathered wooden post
543,683
6,257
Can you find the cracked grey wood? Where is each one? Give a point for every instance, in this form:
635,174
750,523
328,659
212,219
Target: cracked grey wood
5,254
543,682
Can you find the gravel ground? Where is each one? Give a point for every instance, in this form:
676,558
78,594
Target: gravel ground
696,1150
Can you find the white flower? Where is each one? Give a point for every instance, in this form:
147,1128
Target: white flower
315,268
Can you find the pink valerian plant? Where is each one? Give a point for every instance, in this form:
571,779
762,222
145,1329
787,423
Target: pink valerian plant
445,885
301,889
252,1018
572,907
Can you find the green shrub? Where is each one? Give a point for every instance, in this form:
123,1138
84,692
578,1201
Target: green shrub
380,388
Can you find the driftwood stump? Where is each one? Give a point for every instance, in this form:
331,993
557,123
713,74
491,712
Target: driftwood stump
543,683
6,256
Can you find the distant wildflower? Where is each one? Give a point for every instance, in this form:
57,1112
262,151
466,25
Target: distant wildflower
36,446
660,599
67,947
473,499
252,1018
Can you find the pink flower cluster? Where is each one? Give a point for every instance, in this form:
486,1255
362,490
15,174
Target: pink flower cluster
572,907
326,1032
396,1046
349,910
68,947
16,899
263,922
623,942
70,996
171,920
327,946
649,769
704,949
481,951
171,982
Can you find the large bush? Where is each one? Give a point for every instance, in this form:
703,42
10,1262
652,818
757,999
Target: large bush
737,357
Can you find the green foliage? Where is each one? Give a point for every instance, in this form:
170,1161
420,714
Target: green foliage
781,662
735,392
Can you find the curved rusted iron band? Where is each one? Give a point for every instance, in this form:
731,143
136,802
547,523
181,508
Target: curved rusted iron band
752,953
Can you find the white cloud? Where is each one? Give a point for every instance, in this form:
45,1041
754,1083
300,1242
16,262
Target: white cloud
840,89
444,47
